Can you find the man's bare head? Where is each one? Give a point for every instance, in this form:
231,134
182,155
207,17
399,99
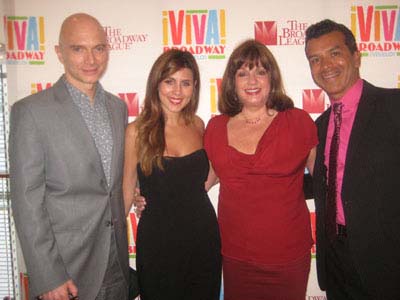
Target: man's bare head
83,50
76,21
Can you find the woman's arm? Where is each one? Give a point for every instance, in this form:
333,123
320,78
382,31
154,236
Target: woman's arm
311,160
130,174
212,179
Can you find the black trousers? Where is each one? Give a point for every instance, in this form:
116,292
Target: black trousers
343,280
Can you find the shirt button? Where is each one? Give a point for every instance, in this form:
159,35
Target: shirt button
109,223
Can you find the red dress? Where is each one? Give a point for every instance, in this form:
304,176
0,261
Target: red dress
262,213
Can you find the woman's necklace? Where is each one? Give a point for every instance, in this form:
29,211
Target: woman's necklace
258,119
252,121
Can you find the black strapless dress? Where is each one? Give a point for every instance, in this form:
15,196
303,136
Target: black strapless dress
178,242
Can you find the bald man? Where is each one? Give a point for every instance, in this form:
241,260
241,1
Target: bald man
66,157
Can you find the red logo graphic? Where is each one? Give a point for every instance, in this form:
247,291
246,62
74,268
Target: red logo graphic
132,101
313,232
314,101
266,32
132,234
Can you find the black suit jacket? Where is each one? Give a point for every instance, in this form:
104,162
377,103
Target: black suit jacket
370,192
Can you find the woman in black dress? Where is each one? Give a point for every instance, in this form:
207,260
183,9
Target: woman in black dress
178,243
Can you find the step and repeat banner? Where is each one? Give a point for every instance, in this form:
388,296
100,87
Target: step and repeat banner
139,31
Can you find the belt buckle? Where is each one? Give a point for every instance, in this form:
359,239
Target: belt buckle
341,230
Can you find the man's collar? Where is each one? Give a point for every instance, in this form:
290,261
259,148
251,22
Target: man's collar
99,88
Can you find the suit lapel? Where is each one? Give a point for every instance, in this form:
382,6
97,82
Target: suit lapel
320,171
365,109
114,133
322,132
70,115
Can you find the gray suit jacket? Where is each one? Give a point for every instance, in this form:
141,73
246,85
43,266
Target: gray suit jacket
62,206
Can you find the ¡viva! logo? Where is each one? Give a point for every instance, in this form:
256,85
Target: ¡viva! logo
25,40
377,29
215,88
38,87
201,32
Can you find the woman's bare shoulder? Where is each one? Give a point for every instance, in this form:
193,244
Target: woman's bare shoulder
199,123
131,129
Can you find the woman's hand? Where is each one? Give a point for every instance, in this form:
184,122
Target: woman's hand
139,203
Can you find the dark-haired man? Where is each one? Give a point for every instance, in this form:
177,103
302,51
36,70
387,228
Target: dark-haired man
356,181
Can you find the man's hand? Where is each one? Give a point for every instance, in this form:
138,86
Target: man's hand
66,291
139,203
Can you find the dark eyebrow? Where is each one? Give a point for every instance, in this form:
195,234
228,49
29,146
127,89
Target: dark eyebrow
335,48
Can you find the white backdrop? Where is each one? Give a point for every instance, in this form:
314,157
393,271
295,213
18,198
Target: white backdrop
138,31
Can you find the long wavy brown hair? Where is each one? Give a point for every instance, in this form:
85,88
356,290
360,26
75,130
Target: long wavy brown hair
150,123
252,53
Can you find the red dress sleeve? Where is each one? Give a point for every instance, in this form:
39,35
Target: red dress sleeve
213,132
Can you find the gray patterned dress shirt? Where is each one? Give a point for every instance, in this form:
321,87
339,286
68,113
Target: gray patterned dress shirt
98,122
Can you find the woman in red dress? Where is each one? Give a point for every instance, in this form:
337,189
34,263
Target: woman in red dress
258,148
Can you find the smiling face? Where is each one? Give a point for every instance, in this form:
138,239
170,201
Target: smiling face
83,50
176,91
252,86
333,67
